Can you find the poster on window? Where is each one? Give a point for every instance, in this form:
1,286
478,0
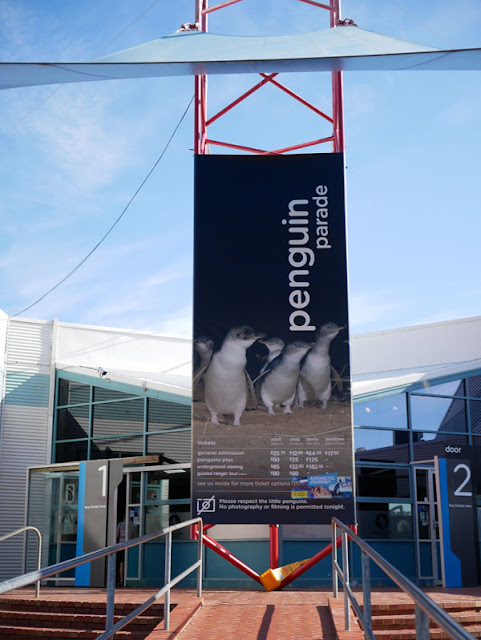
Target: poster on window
271,424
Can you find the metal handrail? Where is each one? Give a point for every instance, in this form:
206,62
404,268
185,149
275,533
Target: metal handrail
425,608
39,549
110,628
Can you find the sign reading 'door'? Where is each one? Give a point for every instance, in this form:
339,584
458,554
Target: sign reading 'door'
272,435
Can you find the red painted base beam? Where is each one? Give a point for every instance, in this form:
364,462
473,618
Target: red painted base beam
310,563
224,553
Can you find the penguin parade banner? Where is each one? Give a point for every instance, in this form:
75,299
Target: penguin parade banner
271,417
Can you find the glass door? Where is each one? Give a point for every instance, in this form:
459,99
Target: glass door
53,509
427,527
156,497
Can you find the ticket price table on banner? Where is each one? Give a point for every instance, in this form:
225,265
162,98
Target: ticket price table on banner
277,474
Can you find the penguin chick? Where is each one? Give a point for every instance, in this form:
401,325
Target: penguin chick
275,346
280,382
315,378
205,348
225,379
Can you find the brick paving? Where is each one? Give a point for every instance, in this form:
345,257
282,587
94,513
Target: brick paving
250,615
258,615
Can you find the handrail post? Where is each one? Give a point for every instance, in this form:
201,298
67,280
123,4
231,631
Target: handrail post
110,605
39,560
167,574
422,623
199,558
25,530
345,570
335,579
366,594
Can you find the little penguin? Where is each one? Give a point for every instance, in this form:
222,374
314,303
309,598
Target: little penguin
279,383
315,378
225,379
205,348
274,346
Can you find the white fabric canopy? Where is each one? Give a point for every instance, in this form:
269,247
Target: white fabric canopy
346,48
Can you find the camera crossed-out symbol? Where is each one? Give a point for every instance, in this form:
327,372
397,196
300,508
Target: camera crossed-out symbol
205,505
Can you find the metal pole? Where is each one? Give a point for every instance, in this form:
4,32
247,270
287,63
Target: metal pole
366,593
110,605
335,579
274,546
345,570
200,118
422,624
337,92
224,553
39,563
167,575
323,553
199,558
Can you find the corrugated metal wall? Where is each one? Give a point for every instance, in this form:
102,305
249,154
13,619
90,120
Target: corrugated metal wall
25,429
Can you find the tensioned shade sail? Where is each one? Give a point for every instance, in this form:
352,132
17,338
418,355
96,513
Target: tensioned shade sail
346,48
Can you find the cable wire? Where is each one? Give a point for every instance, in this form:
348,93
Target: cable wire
420,22
84,260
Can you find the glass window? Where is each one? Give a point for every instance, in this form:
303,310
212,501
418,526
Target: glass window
431,443
69,451
387,520
117,447
135,485
162,415
438,414
379,482
453,388
73,392
117,418
381,445
383,412
73,423
171,484
474,386
101,394
475,415
174,447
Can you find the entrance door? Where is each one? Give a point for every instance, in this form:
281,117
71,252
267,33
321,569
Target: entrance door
149,498
52,508
427,527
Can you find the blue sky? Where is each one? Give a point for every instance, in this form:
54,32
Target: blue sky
73,157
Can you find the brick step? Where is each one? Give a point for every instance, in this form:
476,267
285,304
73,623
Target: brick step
434,634
66,606
71,620
408,607
409,621
8,632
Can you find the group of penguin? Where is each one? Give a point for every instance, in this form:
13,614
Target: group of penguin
297,372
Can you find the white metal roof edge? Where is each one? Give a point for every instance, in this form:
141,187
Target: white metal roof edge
121,378
412,381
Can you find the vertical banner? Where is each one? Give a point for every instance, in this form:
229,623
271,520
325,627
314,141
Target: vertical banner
98,480
458,516
271,428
